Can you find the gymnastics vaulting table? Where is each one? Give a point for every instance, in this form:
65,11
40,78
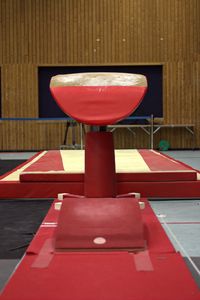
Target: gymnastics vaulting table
100,244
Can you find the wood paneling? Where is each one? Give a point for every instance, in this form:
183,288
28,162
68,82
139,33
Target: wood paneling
19,90
89,32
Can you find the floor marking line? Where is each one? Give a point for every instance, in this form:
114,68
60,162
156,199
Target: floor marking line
180,246
184,223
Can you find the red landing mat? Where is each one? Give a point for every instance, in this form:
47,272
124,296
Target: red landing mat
149,275
106,276
131,165
145,171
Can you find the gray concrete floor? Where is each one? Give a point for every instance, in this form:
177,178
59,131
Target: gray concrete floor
7,267
189,157
179,218
16,155
181,221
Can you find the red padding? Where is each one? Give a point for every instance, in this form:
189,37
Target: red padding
159,162
120,177
178,189
100,177
154,234
98,105
102,276
18,189
163,169
85,223
50,161
158,176
51,177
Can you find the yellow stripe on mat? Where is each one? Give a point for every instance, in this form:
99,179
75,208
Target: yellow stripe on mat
73,161
128,161
14,176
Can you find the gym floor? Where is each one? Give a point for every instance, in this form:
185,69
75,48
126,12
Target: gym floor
180,218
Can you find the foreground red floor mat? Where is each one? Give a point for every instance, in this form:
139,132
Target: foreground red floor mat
109,276
149,275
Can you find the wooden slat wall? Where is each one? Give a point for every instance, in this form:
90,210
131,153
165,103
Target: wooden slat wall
94,32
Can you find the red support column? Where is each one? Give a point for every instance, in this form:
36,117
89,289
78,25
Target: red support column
100,177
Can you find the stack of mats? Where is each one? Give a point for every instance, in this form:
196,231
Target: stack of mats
146,171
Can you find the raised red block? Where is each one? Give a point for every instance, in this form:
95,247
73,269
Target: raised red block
100,224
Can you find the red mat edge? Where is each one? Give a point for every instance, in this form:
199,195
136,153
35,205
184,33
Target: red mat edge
21,165
178,161
179,189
